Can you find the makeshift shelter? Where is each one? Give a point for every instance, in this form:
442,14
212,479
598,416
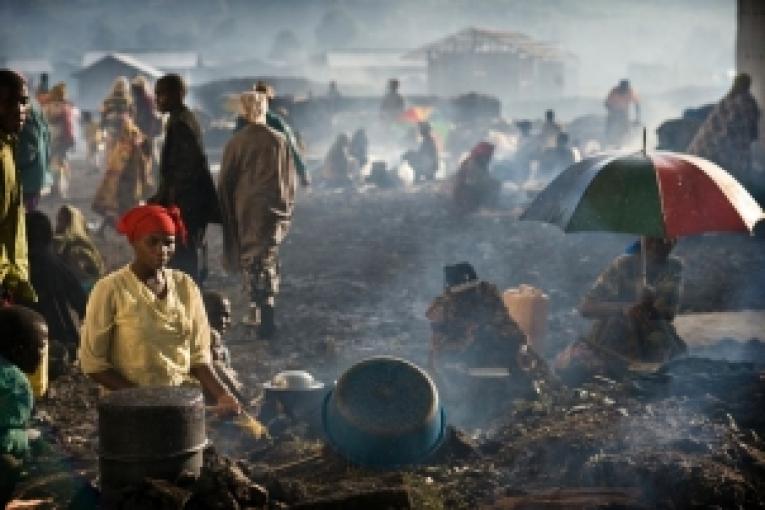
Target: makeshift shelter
499,63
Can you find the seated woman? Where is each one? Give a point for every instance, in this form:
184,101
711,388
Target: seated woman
633,322
474,186
60,297
24,337
145,324
75,247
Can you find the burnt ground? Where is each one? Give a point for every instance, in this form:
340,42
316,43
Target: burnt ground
359,269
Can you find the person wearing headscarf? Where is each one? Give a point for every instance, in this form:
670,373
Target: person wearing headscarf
145,324
60,297
184,176
14,264
727,134
340,168
59,113
116,105
472,328
128,174
277,122
474,187
256,187
75,247
632,318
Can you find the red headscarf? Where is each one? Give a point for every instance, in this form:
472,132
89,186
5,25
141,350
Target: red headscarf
146,219
485,149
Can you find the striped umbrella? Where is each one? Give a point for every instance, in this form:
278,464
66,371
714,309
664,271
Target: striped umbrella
655,194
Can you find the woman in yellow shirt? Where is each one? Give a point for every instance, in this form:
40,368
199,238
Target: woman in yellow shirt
145,324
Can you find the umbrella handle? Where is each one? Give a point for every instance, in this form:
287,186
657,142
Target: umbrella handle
643,255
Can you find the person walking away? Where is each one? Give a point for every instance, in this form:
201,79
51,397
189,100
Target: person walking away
32,157
256,186
14,263
726,136
59,113
184,176
278,122
127,178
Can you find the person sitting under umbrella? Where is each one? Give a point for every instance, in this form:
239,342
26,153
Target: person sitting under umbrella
633,320
145,324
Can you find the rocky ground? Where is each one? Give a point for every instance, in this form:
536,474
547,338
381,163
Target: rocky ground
359,270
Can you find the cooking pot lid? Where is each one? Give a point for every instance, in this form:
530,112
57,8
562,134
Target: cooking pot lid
293,380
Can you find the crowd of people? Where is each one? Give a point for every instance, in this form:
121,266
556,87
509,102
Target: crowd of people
148,323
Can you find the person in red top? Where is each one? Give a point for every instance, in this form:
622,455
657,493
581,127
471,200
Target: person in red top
618,105
474,187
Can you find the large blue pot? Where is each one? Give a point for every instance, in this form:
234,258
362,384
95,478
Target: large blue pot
384,412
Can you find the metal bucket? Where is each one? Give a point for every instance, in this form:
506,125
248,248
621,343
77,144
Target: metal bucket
384,412
150,432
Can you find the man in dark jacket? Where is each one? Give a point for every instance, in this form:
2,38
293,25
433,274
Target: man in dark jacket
184,176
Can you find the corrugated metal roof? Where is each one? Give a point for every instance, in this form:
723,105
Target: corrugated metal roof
128,60
167,61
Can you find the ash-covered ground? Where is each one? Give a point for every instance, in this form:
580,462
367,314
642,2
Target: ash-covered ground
359,269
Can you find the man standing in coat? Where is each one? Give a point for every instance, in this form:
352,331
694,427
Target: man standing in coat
184,176
256,188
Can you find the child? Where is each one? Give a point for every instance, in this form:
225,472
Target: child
25,335
218,308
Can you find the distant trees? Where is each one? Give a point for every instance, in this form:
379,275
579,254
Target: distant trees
336,29
286,46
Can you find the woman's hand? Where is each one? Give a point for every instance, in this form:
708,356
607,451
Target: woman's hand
227,405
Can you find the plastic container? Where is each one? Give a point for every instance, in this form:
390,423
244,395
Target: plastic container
384,412
39,379
529,306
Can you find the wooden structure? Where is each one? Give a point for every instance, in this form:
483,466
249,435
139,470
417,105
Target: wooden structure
499,63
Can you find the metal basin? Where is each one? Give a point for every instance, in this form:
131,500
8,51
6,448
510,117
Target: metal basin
384,412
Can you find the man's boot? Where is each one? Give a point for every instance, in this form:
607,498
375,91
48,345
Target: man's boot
267,328
253,317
